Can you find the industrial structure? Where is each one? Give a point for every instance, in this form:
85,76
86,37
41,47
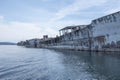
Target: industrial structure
103,34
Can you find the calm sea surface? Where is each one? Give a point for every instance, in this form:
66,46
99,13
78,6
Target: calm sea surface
19,63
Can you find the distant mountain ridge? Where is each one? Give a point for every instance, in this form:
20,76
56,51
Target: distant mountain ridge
7,43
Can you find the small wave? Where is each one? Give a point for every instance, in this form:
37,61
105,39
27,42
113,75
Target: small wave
12,68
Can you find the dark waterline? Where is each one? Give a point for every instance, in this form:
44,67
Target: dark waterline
19,63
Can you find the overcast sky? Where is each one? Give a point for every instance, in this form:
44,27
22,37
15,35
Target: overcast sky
26,19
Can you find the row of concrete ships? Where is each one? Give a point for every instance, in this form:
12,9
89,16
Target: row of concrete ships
103,34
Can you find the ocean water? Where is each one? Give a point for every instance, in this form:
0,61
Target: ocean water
20,63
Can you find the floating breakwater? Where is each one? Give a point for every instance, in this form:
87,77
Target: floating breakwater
101,35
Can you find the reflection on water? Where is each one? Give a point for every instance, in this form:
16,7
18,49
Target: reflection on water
18,63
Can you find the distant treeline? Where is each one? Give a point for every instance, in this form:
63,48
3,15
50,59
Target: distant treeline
7,43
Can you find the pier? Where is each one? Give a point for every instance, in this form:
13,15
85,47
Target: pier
101,34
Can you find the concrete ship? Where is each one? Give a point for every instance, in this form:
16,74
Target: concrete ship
102,34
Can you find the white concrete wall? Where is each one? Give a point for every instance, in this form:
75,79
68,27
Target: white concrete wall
108,27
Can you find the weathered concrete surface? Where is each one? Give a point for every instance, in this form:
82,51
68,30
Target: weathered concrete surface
103,34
